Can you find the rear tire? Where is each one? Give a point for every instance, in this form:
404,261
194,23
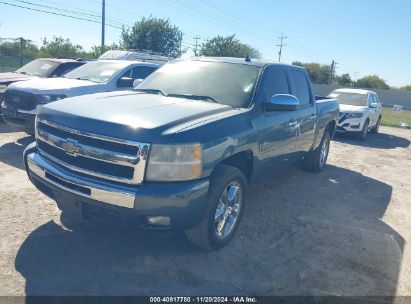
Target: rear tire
316,159
226,202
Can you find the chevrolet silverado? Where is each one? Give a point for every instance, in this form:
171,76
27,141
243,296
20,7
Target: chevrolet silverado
181,149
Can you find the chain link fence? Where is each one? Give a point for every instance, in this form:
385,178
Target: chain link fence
13,54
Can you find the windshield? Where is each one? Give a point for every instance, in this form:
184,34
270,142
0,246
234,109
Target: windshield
225,83
39,67
96,71
353,99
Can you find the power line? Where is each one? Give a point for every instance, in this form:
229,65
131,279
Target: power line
57,14
83,11
281,45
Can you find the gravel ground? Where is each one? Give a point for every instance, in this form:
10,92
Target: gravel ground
344,231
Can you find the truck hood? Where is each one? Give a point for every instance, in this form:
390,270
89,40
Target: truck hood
56,86
349,108
7,78
131,115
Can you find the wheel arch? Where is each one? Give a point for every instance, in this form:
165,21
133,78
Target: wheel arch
241,160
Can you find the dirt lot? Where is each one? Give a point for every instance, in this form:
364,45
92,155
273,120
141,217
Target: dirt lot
341,232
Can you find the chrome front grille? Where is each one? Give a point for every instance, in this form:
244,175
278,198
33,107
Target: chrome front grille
91,154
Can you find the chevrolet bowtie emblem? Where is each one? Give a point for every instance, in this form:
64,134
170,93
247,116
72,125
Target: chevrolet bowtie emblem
71,146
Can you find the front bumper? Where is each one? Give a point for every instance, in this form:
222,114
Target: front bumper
350,125
183,202
23,120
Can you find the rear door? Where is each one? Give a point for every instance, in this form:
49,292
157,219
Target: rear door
307,110
275,129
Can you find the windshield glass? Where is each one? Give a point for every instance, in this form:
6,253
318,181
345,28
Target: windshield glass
96,71
225,83
353,99
39,67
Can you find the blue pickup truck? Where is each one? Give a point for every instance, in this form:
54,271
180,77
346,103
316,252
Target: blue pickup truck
180,150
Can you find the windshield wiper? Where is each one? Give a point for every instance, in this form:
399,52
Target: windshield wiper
151,91
195,97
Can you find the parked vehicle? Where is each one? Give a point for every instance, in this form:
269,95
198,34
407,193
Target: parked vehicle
42,67
23,100
360,111
180,151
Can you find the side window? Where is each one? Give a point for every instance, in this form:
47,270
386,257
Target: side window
371,98
275,82
376,99
64,68
126,74
302,91
142,72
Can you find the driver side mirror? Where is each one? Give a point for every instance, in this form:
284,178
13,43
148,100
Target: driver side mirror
136,82
282,102
125,82
373,105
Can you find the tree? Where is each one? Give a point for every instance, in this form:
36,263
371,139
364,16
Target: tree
228,47
153,34
60,47
98,50
319,73
343,80
12,48
406,88
371,82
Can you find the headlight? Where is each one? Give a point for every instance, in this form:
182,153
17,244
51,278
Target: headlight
354,115
46,98
174,162
3,87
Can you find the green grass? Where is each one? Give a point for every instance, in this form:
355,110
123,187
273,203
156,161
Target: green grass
394,119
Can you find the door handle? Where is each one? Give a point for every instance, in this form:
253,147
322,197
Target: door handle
312,116
293,123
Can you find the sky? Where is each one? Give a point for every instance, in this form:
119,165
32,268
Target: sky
364,37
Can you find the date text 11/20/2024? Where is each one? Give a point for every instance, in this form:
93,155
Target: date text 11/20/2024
239,299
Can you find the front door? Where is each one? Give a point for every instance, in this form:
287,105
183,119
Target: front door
276,130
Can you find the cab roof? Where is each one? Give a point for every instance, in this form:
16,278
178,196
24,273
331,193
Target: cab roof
354,91
235,60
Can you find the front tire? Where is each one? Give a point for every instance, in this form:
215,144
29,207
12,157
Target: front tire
226,202
316,160
377,126
364,133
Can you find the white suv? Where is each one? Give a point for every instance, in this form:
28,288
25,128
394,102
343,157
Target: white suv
360,111
24,99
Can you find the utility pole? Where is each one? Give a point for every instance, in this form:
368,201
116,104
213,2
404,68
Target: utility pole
355,76
333,70
281,45
196,46
21,50
103,21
